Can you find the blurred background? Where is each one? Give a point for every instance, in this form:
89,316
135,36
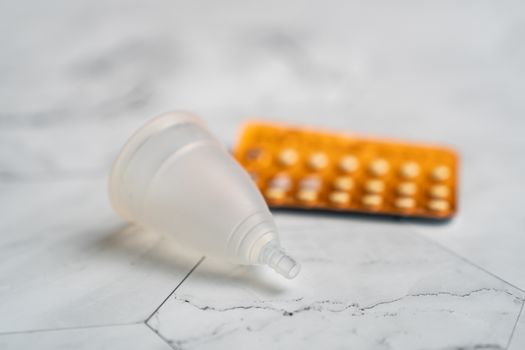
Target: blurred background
77,77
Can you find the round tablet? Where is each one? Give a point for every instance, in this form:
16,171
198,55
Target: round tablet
318,161
288,157
284,182
374,186
439,191
438,205
407,189
440,173
274,193
343,183
405,203
339,197
378,167
372,200
306,195
311,182
409,170
348,164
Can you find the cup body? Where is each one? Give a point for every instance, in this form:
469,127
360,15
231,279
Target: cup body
174,177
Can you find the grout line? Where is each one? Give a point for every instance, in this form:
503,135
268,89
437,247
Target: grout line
112,324
450,251
160,336
70,328
173,291
416,233
515,326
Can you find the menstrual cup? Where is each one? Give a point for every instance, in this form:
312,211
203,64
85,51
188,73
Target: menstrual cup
174,177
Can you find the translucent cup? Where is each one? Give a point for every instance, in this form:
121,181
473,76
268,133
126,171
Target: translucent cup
174,177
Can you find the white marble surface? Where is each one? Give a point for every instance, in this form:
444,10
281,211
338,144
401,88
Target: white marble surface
518,341
68,261
368,285
77,77
137,336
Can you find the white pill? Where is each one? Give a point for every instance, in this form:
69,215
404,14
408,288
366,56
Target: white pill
339,197
318,161
379,167
409,170
438,205
439,191
372,200
306,195
407,189
405,203
440,173
343,183
275,193
311,182
348,164
374,186
288,157
283,182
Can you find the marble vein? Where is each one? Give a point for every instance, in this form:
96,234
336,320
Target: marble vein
341,306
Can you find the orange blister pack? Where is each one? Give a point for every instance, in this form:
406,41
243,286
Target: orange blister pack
296,167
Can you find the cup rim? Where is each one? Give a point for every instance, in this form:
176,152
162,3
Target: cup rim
153,126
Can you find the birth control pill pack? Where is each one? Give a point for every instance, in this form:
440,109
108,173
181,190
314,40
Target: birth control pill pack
298,167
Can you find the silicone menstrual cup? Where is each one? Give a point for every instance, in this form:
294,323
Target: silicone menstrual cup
174,177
